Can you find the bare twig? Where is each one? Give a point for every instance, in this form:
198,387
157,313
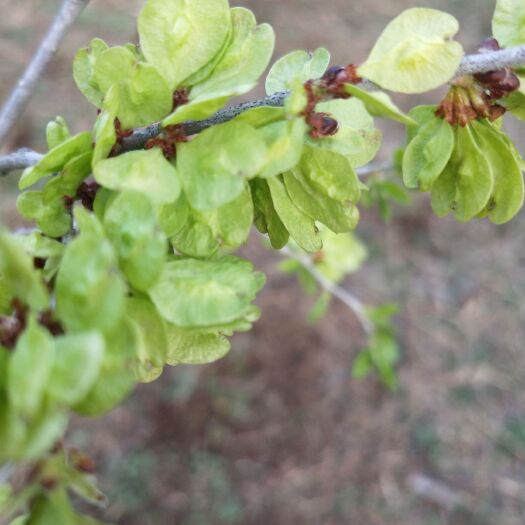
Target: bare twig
491,61
142,135
343,295
20,96
20,159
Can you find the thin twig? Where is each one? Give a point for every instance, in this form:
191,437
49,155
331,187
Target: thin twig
491,61
25,86
350,300
18,160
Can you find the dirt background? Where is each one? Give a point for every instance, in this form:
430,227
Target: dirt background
278,432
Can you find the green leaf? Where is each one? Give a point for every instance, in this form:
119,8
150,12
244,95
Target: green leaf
285,141
198,109
508,24
42,433
38,245
515,103
301,227
415,53
201,234
362,365
296,65
330,174
89,293
53,219
195,347
420,115
83,71
112,66
356,138
55,160
180,37
378,104
508,193
342,254
76,367
334,214
266,218
19,276
427,154
116,378
53,507
210,179
29,369
141,100
151,336
245,59
57,132
466,184
104,135
130,222
144,171
194,293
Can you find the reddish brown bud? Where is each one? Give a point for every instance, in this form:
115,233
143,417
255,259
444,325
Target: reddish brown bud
489,44
322,125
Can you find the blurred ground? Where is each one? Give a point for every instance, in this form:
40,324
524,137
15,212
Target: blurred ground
278,432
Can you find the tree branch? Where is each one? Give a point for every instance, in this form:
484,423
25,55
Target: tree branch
480,63
18,160
471,64
25,86
343,295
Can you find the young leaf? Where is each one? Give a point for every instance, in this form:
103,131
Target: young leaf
180,37
57,132
466,184
131,225
378,104
245,59
89,293
76,366
301,227
151,336
342,254
18,275
508,24
142,99
415,53
335,215
356,138
29,369
83,71
507,197
104,136
144,171
194,293
266,218
285,142
330,174
210,180
427,154
195,347
296,65
116,378
55,160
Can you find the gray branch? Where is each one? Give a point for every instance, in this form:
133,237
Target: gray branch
483,62
491,61
25,86
18,160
